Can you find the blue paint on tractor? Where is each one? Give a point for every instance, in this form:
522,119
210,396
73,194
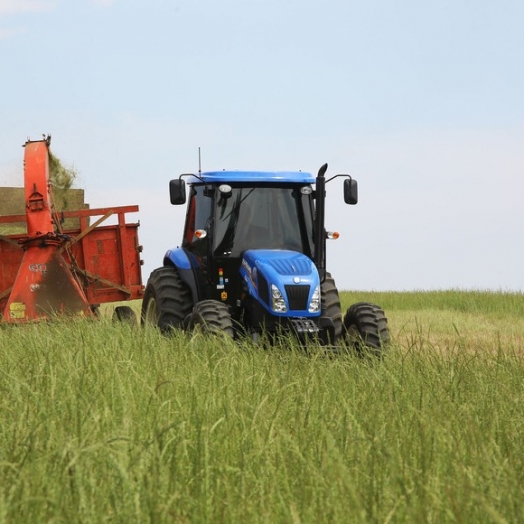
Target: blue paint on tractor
179,258
230,177
293,274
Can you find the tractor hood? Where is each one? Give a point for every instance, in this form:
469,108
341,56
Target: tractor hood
286,283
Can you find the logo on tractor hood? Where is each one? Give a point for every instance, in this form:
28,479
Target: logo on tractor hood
251,272
246,266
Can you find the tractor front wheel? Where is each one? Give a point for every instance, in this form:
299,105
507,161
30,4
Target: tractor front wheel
212,317
167,300
366,328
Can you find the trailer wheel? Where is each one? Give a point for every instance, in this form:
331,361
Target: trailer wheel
366,328
330,305
125,314
167,300
212,317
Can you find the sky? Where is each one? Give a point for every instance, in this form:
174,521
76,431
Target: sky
421,102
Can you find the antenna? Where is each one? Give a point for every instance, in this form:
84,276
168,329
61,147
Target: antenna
199,162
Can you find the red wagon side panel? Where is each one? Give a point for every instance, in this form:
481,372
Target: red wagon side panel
109,260
105,259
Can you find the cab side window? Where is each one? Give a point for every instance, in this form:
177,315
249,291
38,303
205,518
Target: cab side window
198,215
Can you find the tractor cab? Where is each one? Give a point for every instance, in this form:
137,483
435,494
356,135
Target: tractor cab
249,243
223,221
230,213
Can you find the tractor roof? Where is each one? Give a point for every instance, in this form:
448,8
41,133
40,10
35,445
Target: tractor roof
297,177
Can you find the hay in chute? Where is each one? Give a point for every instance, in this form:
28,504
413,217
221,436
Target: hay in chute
62,179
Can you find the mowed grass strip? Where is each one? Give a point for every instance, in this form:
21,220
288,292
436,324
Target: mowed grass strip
443,321
104,422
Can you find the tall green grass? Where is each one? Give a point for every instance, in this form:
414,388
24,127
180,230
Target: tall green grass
100,422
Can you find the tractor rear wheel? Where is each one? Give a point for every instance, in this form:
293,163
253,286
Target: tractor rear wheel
212,317
366,328
330,305
167,300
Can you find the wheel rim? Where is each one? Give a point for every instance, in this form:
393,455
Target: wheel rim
353,336
151,316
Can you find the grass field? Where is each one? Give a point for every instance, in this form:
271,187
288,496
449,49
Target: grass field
101,422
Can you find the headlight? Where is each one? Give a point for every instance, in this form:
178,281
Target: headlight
278,303
314,305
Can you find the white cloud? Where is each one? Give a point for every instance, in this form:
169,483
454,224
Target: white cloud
12,7
8,32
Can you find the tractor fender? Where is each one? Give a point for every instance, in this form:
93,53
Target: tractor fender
186,264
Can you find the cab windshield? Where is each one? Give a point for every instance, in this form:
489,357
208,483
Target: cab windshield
264,218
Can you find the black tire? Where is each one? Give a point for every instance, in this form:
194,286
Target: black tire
167,300
212,317
125,314
330,304
366,328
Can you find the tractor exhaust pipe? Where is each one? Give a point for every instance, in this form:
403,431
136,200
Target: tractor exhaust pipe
320,213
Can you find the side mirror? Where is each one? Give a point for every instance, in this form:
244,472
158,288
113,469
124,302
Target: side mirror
350,191
177,191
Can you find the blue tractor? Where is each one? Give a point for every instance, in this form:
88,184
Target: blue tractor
253,261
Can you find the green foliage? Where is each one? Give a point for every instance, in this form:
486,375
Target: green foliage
105,422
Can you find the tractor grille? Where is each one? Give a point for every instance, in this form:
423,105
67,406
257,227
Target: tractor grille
297,297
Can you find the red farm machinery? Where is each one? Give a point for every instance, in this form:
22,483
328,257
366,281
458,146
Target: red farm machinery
52,270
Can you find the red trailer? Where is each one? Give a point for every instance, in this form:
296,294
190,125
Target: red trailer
49,271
